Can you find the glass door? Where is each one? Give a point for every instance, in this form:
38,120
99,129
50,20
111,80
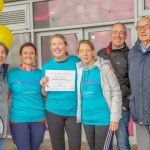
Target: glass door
43,43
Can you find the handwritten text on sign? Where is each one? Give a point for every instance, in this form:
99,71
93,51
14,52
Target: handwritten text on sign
60,80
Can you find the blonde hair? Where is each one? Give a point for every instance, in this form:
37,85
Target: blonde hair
59,36
86,42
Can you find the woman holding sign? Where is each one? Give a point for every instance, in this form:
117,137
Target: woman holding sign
59,80
27,112
3,95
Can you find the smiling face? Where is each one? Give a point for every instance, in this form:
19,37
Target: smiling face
118,36
143,30
59,49
2,55
28,56
86,54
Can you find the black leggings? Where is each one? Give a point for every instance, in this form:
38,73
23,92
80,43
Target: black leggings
96,136
57,125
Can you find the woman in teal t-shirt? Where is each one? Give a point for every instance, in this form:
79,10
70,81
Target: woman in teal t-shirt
61,102
99,96
27,112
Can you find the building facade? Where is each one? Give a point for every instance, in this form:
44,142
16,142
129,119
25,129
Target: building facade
37,20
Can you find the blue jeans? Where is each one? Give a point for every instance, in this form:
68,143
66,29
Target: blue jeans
2,142
122,134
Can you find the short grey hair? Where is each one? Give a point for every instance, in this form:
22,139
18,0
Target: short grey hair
144,17
5,48
122,24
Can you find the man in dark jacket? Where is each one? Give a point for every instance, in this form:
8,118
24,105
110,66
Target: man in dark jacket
139,75
117,53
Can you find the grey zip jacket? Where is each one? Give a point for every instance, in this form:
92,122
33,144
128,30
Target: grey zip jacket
4,100
110,87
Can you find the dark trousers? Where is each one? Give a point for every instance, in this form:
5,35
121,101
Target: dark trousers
57,125
96,136
28,136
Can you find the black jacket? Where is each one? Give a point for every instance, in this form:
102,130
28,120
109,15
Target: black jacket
120,61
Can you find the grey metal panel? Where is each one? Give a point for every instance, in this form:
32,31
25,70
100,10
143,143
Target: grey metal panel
13,17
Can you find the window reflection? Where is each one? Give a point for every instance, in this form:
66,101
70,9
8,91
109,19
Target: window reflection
41,18
13,58
75,12
147,4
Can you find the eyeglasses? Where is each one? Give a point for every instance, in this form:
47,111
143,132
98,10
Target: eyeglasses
145,27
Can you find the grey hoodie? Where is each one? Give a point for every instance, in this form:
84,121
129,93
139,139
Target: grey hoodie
3,101
110,87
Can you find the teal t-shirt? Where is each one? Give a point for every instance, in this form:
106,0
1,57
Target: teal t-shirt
27,101
62,103
94,108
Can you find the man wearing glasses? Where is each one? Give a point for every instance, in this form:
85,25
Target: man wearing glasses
139,76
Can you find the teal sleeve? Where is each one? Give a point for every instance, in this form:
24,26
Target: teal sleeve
43,72
77,59
8,81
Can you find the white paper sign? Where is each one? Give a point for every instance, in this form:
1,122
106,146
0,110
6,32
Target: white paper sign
60,80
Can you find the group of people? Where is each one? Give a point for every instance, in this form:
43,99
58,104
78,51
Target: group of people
103,93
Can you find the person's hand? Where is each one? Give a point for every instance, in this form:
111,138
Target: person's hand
113,126
44,81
